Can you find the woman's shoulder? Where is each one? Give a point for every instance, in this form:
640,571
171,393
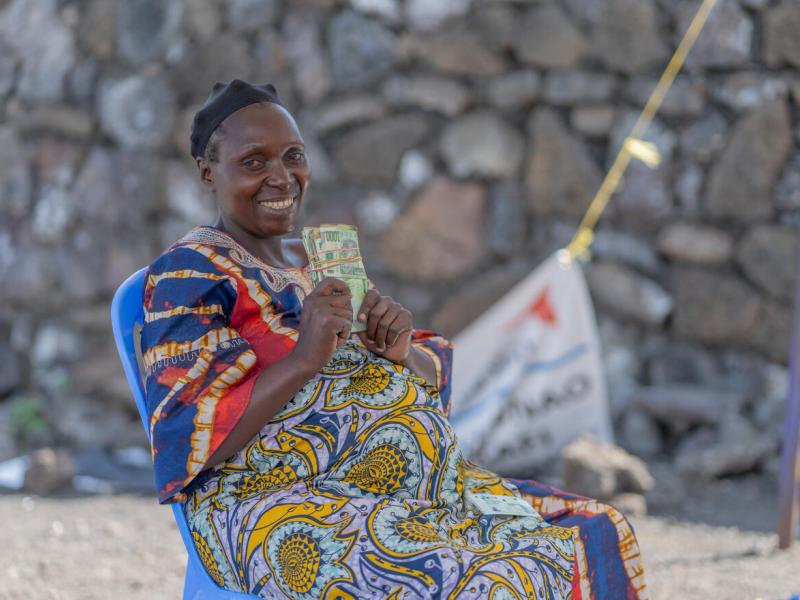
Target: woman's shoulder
196,251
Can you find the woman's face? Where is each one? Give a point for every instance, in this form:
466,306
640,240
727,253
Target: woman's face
261,174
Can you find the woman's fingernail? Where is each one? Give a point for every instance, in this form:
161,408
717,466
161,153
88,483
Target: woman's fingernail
362,317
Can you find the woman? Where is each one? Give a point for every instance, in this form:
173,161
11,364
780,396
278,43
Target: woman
318,464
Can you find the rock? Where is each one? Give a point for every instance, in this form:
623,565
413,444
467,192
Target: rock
749,89
602,471
787,192
426,15
53,215
388,10
8,69
578,87
592,121
138,111
55,344
497,23
626,248
60,119
645,194
629,294
440,236
781,24
203,20
97,28
703,139
506,220
43,45
49,470
10,371
768,255
639,433
16,177
371,153
738,448
514,90
458,51
562,178
689,178
681,406
630,505
713,308
376,212
680,362
621,365
428,92
464,306
695,243
186,195
772,332
686,97
303,49
626,35
360,50
8,446
548,39
146,28
742,180
415,170
252,15
346,111
727,37
481,144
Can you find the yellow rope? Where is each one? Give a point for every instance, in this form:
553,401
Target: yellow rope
634,146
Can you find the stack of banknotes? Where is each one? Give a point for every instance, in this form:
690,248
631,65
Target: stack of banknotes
333,252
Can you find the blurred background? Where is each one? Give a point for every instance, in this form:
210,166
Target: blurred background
465,138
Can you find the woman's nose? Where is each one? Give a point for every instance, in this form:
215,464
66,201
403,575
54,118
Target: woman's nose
278,177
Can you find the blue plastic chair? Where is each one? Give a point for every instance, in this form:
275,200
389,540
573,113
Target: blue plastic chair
126,314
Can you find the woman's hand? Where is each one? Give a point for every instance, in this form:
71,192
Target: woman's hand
325,323
388,324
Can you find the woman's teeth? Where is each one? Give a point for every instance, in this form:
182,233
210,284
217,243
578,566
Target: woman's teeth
279,205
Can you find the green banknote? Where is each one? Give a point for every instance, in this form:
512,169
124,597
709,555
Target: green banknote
333,252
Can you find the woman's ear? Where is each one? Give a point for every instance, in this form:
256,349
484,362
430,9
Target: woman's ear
206,176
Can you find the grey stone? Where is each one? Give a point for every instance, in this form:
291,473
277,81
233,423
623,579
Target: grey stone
388,10
483,145
645,194
187,197
457,51
562,178
97,28
727,38
768,255
630,505
626,35
52,215
498,24
772,332
742,181
371,153
16,178
43,45
695,243
689,178
10,369
346,111
548,39
426,15
33,272
203,19
578,87
627,248
8,69
749,89
639,433
681,362
629,294
505,227
252,15
703,139
592,121
781,24
415,170
713,308
376,212
145,28
55,344
271,63
303,49
138,111
686,97
429,92
681,406
48,470
621,365
787,192
602,471
514,90
60,119
360,49
440,236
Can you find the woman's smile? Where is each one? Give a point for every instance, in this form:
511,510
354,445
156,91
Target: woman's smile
278,204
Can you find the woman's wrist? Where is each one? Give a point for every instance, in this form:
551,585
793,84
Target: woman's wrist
419,363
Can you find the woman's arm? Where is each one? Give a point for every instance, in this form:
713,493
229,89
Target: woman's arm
420,364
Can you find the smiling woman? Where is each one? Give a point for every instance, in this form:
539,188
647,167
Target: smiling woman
313,463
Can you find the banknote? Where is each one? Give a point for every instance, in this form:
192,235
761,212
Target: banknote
333,252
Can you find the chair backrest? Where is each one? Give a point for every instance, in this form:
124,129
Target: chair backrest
127,317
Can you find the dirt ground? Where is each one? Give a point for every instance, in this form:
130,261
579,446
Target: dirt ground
128,548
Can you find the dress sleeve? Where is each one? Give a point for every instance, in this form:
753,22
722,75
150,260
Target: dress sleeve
441,352
199,372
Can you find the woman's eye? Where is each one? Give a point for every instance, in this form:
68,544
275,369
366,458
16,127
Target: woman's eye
295,156
252,163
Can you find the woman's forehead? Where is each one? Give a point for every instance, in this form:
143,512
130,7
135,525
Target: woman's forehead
261,123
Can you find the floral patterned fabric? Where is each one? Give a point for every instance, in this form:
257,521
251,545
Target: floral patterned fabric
357,488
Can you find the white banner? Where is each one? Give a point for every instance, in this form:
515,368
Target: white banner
528,374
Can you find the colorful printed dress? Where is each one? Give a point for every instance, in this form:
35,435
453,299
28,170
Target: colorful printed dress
357,488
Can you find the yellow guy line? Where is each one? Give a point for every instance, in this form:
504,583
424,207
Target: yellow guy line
634,147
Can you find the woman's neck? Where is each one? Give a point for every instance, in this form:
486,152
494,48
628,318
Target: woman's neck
270,250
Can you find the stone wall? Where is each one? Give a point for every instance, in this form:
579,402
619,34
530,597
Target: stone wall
465,139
